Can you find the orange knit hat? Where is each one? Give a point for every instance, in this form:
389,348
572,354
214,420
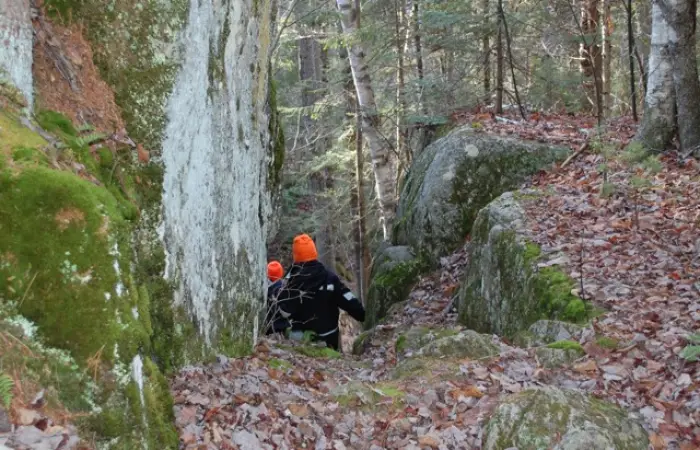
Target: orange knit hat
304,249
274,271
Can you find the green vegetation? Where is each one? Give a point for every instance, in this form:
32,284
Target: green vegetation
607,342
7,386
279,364
566,345
66,267
691,352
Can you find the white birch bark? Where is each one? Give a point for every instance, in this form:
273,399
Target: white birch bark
658,125
383,161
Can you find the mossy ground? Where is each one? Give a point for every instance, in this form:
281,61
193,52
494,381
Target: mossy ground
66,266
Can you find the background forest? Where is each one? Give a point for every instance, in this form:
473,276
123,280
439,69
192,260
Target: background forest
422,66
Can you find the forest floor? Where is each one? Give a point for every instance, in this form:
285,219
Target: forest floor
632,246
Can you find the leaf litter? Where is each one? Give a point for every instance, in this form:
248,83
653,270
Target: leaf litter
638,257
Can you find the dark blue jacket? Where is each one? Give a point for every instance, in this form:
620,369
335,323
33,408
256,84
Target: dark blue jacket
274,321
312,297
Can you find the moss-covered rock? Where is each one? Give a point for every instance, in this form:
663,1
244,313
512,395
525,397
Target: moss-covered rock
467,344
547,331
505,290
66,268
540,419
394,273
559,353
456,176
417,337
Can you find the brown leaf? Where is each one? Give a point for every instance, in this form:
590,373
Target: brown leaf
299,409
430,441
586,366
469,391
657,441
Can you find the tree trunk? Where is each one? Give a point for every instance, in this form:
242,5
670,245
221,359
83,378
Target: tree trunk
402,149
658,125
486,49
311,74
499,66
382,159
590,54
630,49
681,17
419,52
606,34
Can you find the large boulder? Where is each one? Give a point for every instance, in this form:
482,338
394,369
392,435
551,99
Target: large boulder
456,176
551,418
394,272
505,289
467,344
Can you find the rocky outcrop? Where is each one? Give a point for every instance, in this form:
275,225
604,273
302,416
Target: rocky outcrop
547,331
16,39
84,273
466,344
456,176
505,290
394,272
563,420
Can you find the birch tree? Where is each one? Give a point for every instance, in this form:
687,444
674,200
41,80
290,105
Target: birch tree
383,162
671,105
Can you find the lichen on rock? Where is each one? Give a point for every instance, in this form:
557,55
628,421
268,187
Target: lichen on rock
466,344
453,178
564,420
505,290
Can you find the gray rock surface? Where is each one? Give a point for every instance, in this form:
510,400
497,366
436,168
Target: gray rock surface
534,418
456,176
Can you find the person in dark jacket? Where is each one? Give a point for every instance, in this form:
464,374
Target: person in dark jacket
313,295
274,320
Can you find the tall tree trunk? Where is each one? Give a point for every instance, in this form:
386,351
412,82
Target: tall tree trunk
313,88
681,15
403,150
630,49
362,257
658,125
590,54
419,52
486,49
606,34
383,162
499,66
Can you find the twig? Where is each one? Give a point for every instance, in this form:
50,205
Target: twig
583,148
26,291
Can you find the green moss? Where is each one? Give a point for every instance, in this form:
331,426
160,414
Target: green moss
14,135
279,364
29,154
53,121
607,342
358,345
401,343
314,351
566,345
392,286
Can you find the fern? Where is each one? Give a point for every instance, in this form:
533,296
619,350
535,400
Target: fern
7,385
90,139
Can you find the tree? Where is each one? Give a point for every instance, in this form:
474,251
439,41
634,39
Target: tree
671,107
382,158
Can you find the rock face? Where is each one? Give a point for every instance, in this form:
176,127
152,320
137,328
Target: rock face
394,272
547,331
467,344
16,40
85,272
453,178
216,201
504,290
563,420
